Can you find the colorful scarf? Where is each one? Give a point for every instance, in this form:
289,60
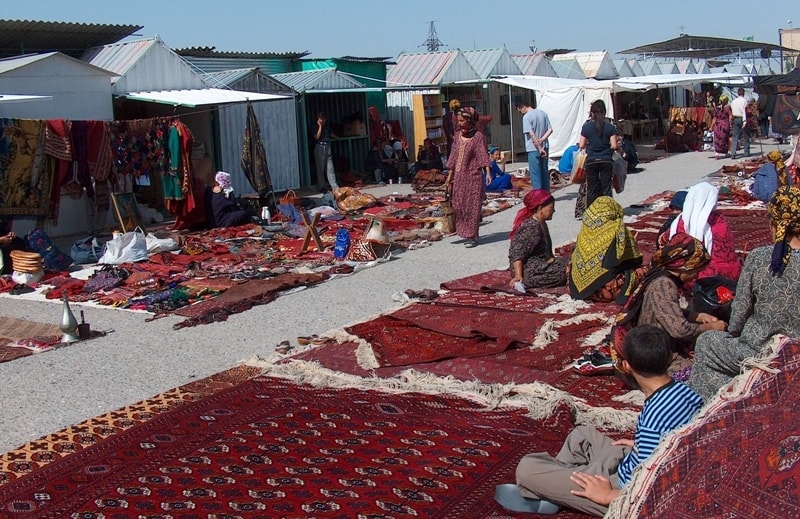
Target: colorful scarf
777,158
604,242
784,212
701,199
224,180
471,116
532,201
683,253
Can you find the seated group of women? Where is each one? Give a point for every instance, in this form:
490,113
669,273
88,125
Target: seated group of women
606,266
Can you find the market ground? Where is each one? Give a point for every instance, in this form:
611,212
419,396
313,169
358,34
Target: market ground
43,393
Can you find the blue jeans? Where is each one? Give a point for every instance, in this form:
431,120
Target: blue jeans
540,176
740,129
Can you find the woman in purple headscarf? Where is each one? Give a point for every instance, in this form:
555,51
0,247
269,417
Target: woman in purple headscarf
466,165
221,208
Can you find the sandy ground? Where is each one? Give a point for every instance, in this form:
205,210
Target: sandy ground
43,393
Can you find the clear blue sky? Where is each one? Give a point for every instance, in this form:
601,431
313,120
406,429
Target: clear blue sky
372,28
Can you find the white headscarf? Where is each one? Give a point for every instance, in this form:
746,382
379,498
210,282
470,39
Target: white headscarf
701,199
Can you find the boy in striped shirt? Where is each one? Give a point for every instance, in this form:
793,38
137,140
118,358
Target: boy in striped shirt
591,468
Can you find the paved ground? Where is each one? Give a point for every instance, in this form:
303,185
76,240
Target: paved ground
43,393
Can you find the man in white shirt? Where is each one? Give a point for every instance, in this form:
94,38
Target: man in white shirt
739,124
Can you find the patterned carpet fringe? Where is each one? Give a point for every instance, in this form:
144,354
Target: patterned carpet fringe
630,500
540,400
548,333
566,305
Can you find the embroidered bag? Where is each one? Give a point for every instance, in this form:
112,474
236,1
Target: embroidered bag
52,257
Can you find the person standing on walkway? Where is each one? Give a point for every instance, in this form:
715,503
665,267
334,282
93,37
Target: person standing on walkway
599,139
466,165
537,128
721,127
739,124
322,151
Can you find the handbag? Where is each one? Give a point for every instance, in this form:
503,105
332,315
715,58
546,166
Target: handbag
579,168
714,295
52,257
619,167
126,248
86,250
291,198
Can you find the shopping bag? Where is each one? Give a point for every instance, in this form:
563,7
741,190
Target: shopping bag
156,244
579,168
126,248
619,168
86,250
52,257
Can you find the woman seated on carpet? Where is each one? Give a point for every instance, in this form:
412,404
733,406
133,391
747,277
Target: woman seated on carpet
531,251
656,301
8,242
221,208
766,302
606,263
497,180
701,220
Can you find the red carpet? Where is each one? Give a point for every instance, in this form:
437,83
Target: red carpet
267,447
703,472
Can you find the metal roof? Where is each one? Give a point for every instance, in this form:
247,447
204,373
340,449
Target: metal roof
201,97
322,79
8,64
28,36
596,64
119,57
211,52
228,78
623,69
687,46
492,62
534,64
430,68
568,69
668,68
685,66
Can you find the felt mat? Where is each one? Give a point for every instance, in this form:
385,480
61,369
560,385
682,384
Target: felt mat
269,447
702,472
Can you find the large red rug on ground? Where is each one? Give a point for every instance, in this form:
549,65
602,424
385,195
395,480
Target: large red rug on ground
702,473
267,447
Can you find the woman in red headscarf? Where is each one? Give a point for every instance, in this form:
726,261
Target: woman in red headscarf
466,166
531,251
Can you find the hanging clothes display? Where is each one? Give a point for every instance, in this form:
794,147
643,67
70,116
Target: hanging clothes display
178,180
254,158
26,178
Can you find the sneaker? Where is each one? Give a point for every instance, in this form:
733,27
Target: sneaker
509,497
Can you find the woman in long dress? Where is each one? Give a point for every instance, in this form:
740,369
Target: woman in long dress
531,250
721,127
466,165
766,302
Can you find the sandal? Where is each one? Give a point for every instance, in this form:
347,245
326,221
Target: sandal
471,243
283,347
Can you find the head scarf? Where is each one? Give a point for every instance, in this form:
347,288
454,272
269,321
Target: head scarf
678,200
455,104
532,201
777,158
683,253
603,243
224,181
723,99
492,149
471,116
701,199
784,212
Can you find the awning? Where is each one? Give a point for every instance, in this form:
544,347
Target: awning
672,80
201,96
14,98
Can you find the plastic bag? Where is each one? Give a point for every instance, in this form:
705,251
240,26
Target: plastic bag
126,248
579,168
342,243
156,244
619,167
86,250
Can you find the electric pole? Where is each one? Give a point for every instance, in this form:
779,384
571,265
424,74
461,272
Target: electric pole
432,43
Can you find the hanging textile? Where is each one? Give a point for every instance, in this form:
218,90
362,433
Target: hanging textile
254,158
26,178
178,181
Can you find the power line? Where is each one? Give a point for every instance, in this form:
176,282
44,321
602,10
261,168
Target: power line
432,43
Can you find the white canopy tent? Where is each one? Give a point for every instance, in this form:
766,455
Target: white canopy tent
567,101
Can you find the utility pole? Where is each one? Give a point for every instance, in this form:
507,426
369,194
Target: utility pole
432,43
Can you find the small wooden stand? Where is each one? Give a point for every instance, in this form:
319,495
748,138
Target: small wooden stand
311,232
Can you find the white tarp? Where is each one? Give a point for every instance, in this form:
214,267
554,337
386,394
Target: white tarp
201,97
687,81
566,102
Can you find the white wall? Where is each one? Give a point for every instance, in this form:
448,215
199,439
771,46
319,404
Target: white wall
78,92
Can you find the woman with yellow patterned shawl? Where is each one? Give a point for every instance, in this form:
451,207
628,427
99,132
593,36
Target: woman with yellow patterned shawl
766,302
606,263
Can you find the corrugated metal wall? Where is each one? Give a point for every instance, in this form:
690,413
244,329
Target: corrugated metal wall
400,107
278,121
266,65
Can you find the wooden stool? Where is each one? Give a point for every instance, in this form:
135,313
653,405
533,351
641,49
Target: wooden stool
311,232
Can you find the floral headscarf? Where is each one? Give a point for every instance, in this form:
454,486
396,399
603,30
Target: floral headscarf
603,243
784,211
682,253
224,180
471,116
532,201
723,99
776,158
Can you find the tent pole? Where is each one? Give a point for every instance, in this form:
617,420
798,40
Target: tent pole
511,124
